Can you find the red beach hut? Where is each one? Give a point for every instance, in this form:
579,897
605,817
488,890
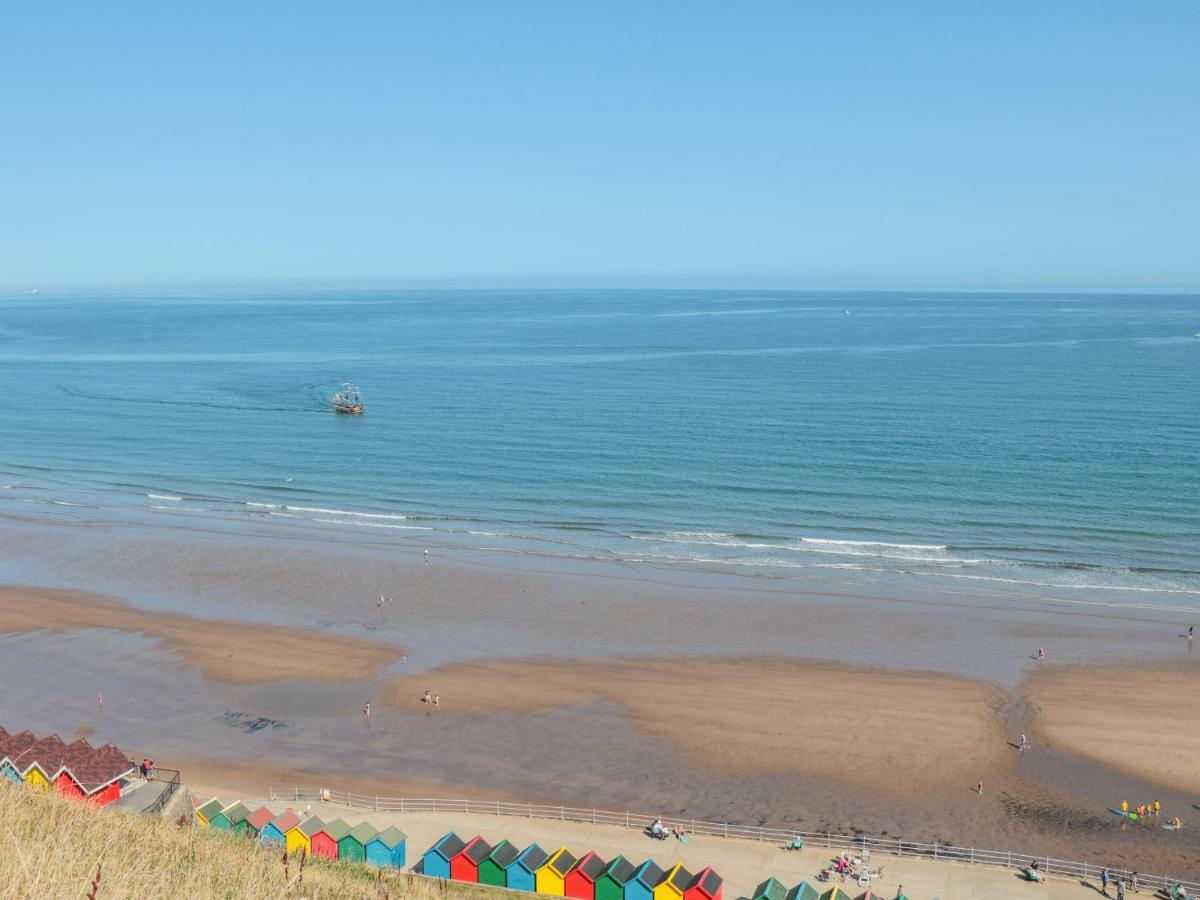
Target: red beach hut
464,865
580,882
707,885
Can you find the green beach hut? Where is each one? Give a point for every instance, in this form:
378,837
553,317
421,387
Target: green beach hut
494,868
353,847
770,889
231,818
804,891
611,883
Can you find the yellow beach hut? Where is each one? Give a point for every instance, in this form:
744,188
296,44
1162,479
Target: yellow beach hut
551,878
674,883
36,778
300,838
206,811
835,893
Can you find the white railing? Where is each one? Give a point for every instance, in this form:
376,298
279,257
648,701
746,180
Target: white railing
893,846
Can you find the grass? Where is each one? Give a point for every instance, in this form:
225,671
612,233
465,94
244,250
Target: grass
53,847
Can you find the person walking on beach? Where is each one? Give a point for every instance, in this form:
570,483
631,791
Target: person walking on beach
1125,807
367,713
979,789
1104,879
100,699
1157,808
1024,744
1041,654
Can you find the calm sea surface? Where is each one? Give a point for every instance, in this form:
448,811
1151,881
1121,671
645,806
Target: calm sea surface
1039,443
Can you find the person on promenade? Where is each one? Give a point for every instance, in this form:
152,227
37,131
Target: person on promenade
1157,808
1133,878
1104,879
1125,807
1120,890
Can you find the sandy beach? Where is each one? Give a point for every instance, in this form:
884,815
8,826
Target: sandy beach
619,687
1144,720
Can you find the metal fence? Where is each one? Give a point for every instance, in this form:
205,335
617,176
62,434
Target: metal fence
858,843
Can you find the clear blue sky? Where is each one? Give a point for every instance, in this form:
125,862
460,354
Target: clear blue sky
867,143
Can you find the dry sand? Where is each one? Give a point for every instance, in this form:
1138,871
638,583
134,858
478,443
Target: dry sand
224,650
1144,720
899,731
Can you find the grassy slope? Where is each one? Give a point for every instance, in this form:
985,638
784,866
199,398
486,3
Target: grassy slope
50,847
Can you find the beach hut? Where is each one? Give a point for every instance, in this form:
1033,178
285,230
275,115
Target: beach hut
436,861
9,771
231,818
257,821
770,889
674,883
275,831
611,883
645,879
522,874
707,885
464,865
835,893
551,877
353,846
100,772
325,840
205,811
388,849
580,882
804,891
299,837
35,777
494,869
871,895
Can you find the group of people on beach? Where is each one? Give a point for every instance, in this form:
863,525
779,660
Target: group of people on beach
147,767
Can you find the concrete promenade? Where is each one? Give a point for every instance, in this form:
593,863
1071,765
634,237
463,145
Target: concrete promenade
743,864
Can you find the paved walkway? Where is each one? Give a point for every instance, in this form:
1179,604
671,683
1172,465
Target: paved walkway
743,864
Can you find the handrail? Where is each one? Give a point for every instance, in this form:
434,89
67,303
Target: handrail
893,846
171,777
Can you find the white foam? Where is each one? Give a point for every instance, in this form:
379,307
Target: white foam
344,512
163,497
263,505
372,524
941,547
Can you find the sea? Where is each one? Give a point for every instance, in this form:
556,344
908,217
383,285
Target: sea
987,444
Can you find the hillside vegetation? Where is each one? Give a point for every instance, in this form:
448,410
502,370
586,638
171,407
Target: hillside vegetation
52,847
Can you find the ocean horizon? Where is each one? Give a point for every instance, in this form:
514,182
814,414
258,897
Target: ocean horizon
1038,444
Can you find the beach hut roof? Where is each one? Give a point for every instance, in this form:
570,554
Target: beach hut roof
770,889
311,826
804,891
478,850
337,829
260,818
835,893
533,857
590,866
649,874
363,832
210,808
679,877
708,881
503,854
236,812
392,837
286,822
95,768
449,846
562,861
619,870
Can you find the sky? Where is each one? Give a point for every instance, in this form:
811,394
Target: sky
800,144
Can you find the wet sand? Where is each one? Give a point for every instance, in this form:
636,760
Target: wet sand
1144,720
224,650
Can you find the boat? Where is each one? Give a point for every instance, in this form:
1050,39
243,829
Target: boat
348,400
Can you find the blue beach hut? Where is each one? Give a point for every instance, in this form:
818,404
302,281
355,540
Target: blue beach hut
389,849
275,831
641,886
436,861
520,875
